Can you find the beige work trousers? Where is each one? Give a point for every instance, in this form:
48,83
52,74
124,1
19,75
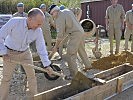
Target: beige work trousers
76,45
114,30
8,68
127,35
48,39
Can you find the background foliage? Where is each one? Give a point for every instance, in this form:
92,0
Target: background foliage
9,6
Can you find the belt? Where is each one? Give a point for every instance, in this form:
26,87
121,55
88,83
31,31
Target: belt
14,50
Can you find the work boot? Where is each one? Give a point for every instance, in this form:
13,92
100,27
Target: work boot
116,52
111,52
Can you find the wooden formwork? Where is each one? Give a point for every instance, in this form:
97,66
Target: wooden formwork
117,79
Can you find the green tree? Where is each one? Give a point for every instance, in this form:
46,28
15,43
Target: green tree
9,6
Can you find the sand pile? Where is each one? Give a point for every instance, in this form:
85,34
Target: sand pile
113,60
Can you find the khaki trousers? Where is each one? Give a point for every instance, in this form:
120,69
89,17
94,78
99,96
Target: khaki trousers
127,35
8,68
76,45
48,39
114,30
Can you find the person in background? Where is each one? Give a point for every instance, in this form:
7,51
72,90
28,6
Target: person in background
46,27
114,23
15,37
62,7
64,43
129,28
67,24
20,13
77,12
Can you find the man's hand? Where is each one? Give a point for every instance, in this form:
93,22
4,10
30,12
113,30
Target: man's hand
49,70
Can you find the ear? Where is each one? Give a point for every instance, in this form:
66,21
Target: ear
29,18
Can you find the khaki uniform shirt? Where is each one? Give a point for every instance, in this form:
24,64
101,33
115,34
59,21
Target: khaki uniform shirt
17,14
129,17
48,21
66,23
115,15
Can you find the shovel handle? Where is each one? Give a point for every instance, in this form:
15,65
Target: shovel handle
39,68
52,53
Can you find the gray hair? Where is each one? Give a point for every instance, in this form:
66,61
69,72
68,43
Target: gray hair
34,12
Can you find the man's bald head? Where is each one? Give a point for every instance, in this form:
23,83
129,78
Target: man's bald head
35,18
35,11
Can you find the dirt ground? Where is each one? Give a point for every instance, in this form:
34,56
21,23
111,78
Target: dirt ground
44,84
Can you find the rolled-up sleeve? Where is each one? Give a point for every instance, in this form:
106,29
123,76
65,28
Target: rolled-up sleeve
4,31
41,49
107,14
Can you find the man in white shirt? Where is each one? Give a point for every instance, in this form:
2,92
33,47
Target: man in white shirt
15,37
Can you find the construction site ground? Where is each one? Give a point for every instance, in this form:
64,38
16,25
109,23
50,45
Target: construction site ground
44,84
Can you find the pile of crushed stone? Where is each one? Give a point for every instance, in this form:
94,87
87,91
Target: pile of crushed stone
113,60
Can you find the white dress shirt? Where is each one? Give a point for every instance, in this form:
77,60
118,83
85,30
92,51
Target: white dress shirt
16,35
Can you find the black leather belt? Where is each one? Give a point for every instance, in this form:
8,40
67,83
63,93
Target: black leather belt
14,50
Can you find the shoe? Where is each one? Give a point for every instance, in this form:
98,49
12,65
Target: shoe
111,52
116,52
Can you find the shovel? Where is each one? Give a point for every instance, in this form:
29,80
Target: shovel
96,50
52,52
82,81
78,76
39,68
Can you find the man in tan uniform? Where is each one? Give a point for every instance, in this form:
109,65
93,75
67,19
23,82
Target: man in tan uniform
46,27
66,23
77,12
129,28
114,24
20,13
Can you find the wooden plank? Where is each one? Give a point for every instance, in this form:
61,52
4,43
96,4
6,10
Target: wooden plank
105,90
115,84
127,84
119,84
53,93
115,70
38,97
91,93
